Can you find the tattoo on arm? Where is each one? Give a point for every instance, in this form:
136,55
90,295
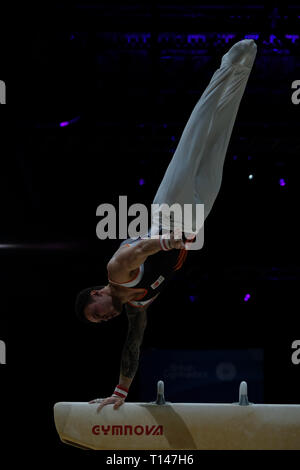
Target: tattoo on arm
137,321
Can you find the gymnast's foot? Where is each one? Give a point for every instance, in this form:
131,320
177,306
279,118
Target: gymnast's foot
242,52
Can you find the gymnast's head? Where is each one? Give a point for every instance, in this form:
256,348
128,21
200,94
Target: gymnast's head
97,304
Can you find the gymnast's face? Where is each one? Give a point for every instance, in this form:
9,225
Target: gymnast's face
103,307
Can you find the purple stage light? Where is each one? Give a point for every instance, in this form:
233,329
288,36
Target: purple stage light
195,38
141,182
227,37
71,121
293,37
247,297
251,36
192,298
282,182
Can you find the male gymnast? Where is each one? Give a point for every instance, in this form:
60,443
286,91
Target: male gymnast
142,267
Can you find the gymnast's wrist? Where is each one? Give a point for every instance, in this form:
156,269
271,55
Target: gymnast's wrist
120,391
165,242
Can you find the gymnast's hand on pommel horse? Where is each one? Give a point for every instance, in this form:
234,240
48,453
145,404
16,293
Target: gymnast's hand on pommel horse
141,268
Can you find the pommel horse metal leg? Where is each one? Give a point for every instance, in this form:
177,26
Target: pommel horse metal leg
165,425
243,395
160,399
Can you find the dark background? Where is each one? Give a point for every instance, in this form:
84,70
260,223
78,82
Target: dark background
128,76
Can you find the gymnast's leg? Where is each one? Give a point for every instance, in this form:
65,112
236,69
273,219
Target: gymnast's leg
208,176
205,138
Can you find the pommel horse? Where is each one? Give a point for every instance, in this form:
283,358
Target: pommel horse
164,425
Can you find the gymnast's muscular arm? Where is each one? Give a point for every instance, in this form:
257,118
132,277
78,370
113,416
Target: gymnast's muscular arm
127,259
137,322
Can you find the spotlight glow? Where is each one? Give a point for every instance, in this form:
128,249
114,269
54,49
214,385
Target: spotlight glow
71,121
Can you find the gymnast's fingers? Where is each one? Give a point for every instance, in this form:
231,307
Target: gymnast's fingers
118,403
108,401
176,243
96,400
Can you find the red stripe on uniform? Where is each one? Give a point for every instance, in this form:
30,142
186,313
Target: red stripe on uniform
164,243
180,260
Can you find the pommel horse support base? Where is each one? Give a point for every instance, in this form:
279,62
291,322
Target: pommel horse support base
162,425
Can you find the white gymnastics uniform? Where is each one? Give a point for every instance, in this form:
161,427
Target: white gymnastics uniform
194,173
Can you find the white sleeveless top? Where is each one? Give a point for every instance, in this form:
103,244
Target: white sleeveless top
133,282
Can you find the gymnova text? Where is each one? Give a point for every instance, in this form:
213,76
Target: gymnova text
128,430
2,352
181,219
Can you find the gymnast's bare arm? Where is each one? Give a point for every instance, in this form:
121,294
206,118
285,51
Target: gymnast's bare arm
137,322
128,258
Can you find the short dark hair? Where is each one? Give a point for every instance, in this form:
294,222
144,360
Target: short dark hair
82,300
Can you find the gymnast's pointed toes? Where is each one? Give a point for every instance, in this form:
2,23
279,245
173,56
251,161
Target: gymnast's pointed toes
245,44
251,44
242,52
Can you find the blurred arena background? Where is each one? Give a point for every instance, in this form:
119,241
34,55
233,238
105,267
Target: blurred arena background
95,108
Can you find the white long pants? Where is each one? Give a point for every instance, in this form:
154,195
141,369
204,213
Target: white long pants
194,174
